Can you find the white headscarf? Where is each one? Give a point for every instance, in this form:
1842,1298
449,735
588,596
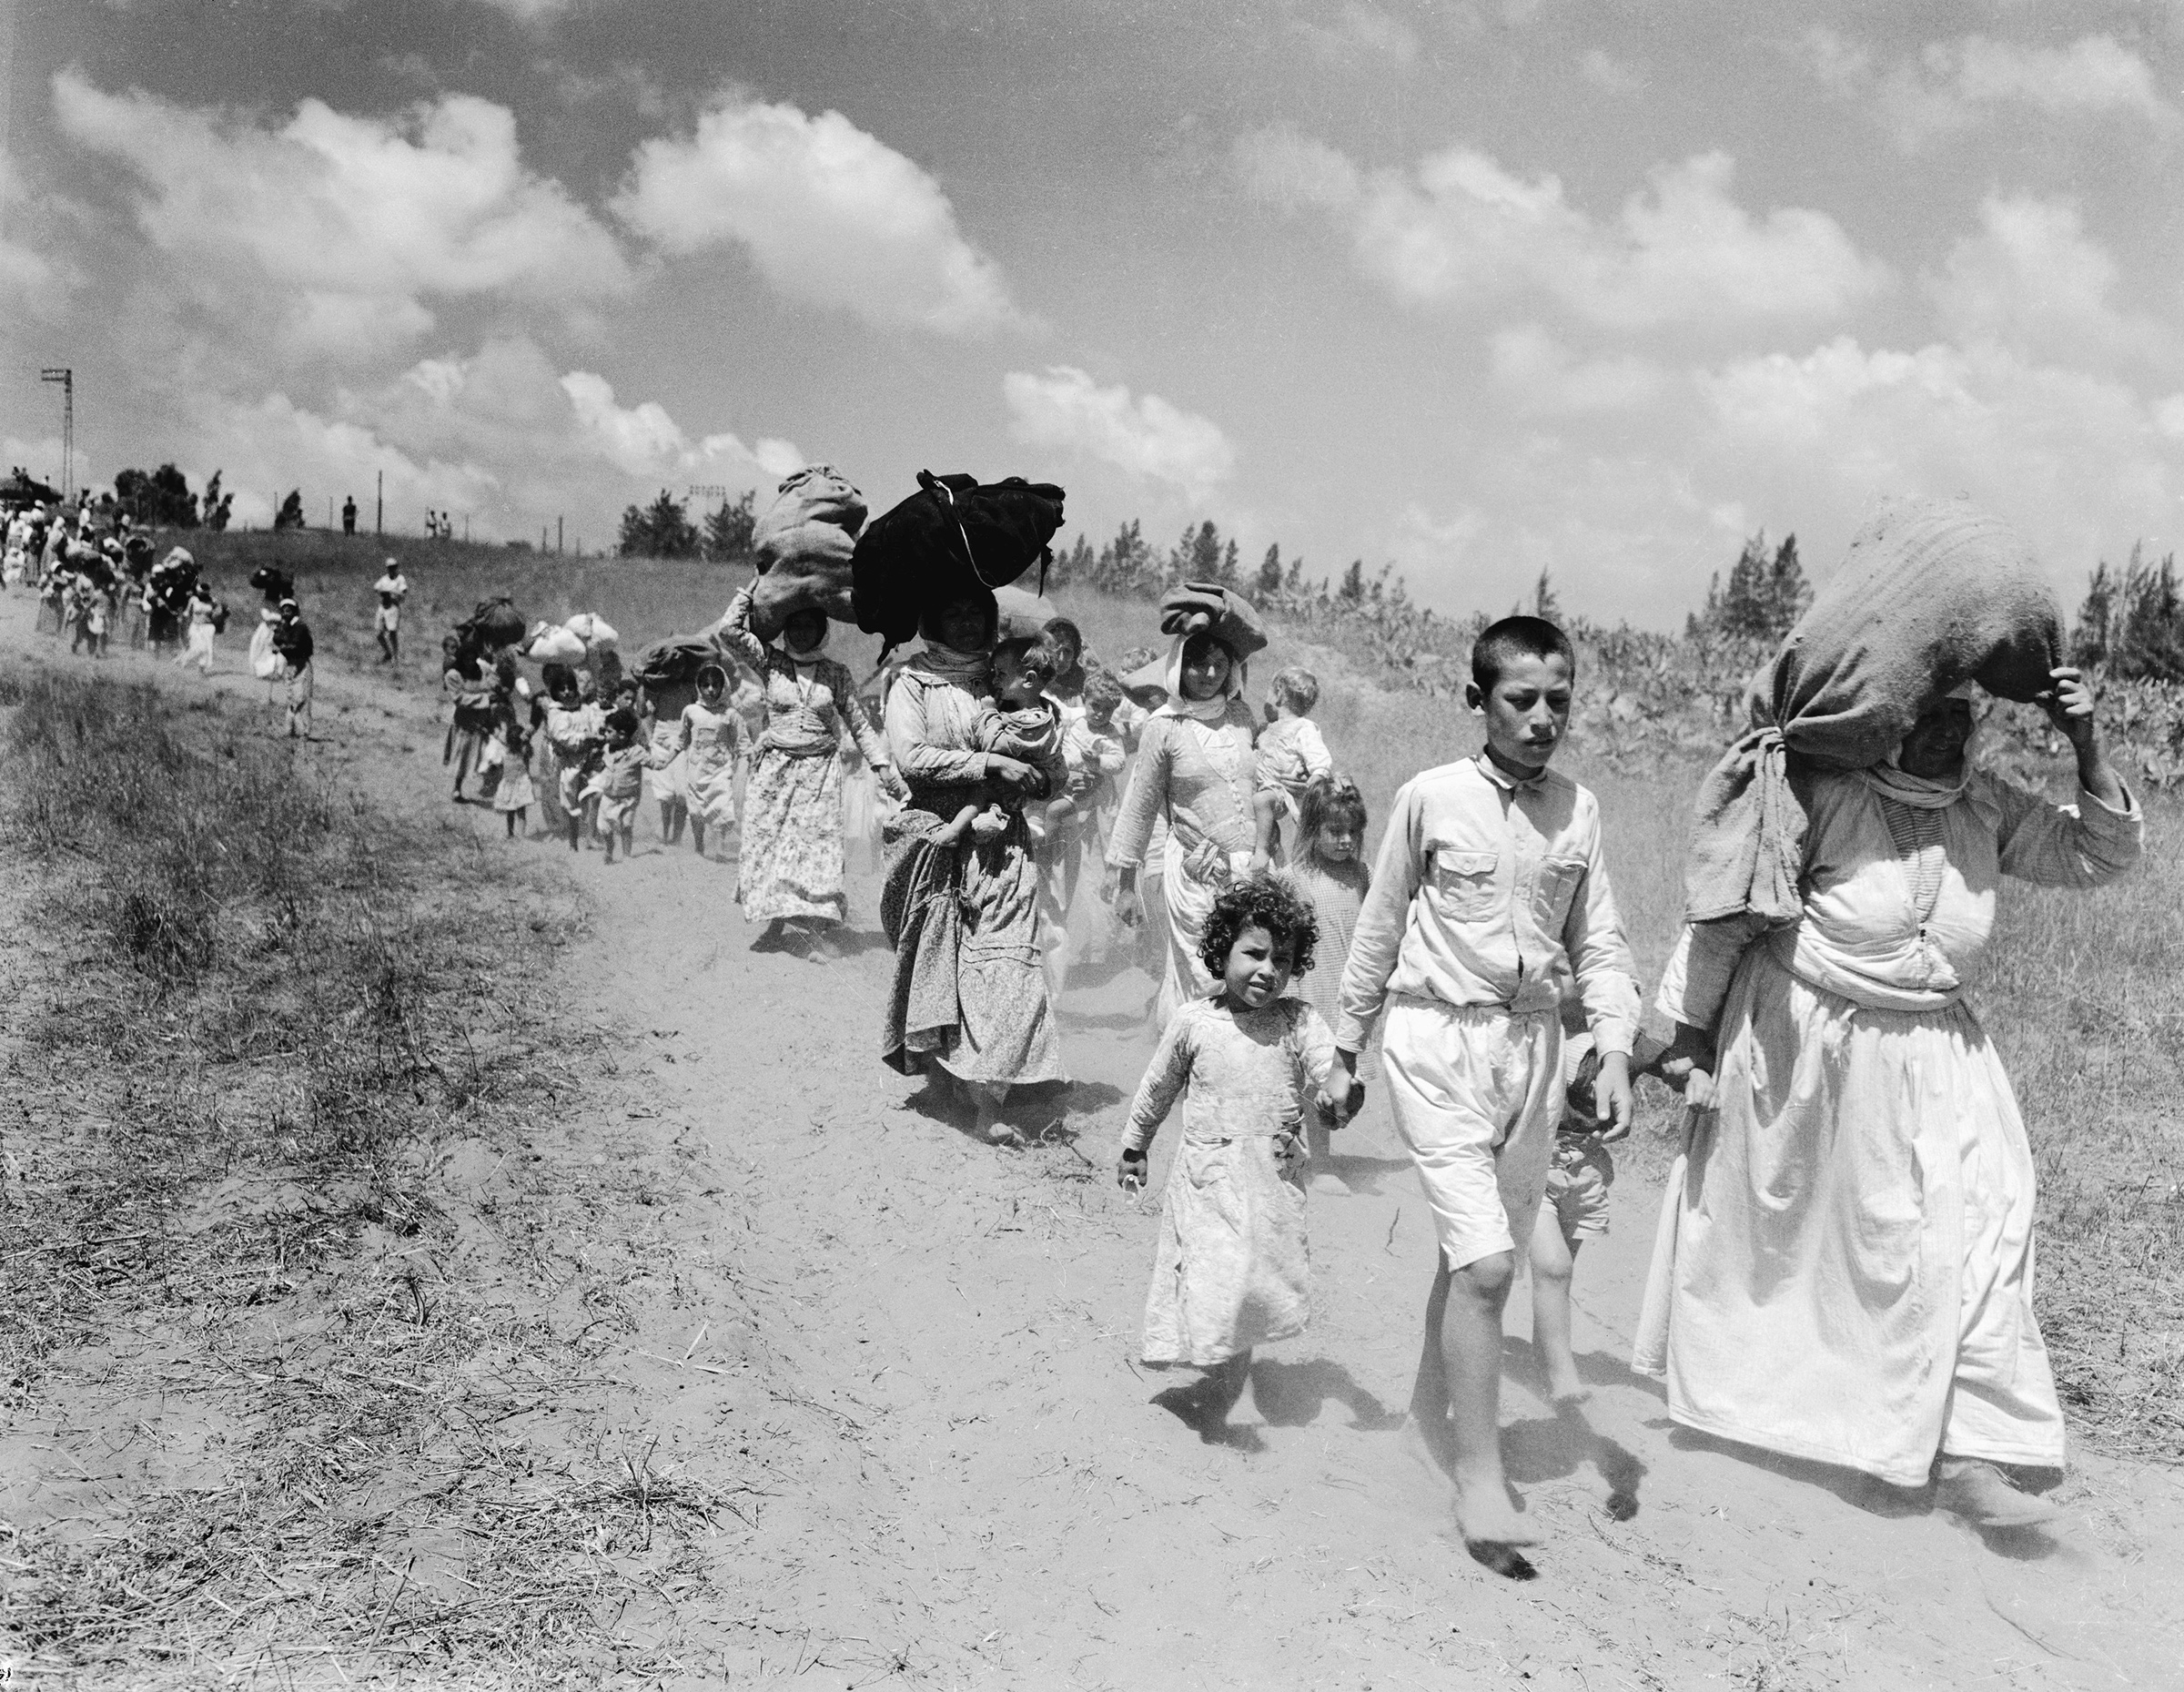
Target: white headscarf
1205,710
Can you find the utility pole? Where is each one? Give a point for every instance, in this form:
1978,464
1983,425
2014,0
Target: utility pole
378,515
557,536
66,376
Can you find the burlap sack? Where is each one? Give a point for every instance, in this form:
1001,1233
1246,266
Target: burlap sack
1932,594
804,541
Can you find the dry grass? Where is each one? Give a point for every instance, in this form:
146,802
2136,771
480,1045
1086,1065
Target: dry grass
357,1408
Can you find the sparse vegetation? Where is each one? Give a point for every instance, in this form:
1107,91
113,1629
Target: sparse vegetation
268,1019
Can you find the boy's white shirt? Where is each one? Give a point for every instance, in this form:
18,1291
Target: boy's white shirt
1488,891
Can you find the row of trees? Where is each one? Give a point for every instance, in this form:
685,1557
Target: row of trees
2131,624
162,499
663,529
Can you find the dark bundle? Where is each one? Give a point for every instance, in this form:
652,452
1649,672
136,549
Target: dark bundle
955,537
494,624
274,583
674,662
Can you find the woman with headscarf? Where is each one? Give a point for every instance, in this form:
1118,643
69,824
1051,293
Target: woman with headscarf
1843,1271
791,870
1195,773
969,999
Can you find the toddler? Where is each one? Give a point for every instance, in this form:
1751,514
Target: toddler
512,797
618,784
573,733
1330,874
1291,755
1022,724
1231,1272
1575,1208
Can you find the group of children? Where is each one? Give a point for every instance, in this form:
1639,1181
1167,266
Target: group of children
1486,925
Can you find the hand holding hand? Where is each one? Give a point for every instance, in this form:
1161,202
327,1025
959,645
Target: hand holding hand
1612,1096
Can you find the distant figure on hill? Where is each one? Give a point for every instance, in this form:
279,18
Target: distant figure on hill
348,515
393,587
292,647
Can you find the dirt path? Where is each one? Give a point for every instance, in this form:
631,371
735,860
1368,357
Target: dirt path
926,1349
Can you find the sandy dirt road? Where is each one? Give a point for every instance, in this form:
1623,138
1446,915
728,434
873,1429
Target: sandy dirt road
918,1353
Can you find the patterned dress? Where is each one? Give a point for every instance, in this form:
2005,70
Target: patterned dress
969,993
1231,1270
791,863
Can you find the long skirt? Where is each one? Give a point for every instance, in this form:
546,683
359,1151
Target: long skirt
969,993
791,863
1231,1270
1844,1266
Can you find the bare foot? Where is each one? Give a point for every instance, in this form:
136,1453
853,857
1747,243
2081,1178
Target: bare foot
1981,1495
1483,1515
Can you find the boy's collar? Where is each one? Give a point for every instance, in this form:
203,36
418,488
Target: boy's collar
1504,778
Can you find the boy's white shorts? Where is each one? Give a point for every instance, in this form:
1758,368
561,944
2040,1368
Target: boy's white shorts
1477,1093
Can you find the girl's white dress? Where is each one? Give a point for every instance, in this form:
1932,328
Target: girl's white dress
718,742
1231,1270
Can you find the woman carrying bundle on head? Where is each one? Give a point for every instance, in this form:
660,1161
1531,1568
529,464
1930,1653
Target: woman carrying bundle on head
1194,771
790,872
1843,1269
961,906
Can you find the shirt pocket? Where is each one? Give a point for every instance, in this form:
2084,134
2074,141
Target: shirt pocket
1462,882
1558,879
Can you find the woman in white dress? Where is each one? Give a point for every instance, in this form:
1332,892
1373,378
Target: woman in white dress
1844,1269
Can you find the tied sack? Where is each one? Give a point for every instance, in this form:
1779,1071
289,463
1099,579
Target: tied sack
1932,594
803,542
956,537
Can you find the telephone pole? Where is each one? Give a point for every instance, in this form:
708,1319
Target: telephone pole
379,514
66,377
557,537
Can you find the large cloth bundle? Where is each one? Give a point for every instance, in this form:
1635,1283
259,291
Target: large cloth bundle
1933,594
573,642
674,662
805,542
494,624
270,580
955,537
1226,613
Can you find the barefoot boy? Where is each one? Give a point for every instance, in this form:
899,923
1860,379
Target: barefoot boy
1490,888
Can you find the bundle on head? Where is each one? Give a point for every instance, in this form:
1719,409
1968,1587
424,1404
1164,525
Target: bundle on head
674,662
1933,594
955,538
804,541
1206,607
274,583
494,624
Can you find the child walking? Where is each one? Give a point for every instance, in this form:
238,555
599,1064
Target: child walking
1331,877
1490,889
716,744
618,784
512,797
1231,1270
1291,755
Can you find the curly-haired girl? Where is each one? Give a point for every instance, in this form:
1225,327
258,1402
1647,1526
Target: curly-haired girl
1231,1270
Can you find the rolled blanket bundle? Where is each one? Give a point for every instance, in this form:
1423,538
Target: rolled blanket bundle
494,624
674,662
1932,594
955,536
1227,614
805,542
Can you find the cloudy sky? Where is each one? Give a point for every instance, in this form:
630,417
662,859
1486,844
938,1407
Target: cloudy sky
1481,288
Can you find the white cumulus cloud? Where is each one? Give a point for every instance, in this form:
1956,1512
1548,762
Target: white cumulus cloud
643,439
1146,436
1951,86
341,230
827,213
1461,229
